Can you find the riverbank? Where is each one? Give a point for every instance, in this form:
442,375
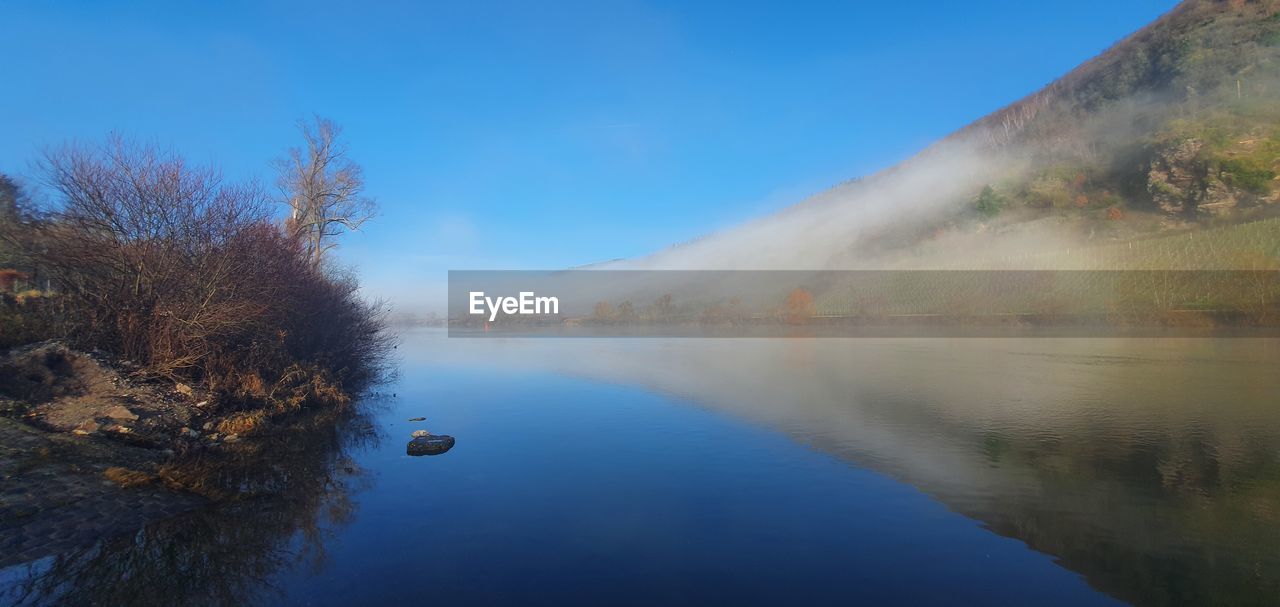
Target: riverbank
57,389
203,525
92,448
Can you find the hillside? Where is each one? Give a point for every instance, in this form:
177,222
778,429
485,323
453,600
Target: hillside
1180,117
1175,128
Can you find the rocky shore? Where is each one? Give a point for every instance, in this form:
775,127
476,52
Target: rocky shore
87,446
57,389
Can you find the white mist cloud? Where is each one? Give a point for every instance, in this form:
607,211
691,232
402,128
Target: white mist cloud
820,232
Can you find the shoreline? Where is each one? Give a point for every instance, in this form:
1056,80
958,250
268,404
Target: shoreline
55,388
91,447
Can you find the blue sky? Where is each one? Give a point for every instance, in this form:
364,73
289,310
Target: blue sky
540,134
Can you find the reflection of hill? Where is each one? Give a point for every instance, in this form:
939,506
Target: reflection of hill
291,486
1150,466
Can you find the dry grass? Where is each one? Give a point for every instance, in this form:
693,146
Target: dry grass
126,478
244,423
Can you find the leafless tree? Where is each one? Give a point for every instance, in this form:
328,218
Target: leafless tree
323,188
163,262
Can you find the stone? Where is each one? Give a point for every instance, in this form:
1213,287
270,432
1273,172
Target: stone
417,419
231,438
121,412
87,427
1182,182
429,445
182,389
207,426
420,433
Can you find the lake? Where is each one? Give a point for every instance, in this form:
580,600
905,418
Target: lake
755,471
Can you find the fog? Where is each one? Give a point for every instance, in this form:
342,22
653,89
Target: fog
825,231
904,217
919,214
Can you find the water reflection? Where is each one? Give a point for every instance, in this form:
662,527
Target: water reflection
292,491
1151,466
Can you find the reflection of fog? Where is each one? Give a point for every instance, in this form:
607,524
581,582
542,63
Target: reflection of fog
292,487
1150,466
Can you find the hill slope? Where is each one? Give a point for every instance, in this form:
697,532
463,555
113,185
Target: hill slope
1174,128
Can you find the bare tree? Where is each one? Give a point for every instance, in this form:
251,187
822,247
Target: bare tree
162,262
323,188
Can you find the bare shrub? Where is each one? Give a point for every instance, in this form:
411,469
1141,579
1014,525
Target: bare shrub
169,265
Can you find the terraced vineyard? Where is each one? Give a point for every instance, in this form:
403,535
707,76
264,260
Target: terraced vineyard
1248,246
1233,269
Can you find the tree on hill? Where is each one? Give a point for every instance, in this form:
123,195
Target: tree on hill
989,202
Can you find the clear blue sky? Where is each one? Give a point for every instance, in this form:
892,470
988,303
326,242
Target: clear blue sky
540,134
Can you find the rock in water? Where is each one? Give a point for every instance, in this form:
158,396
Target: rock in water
417,419
429,445
420,433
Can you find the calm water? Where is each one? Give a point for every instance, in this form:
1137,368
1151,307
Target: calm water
738,471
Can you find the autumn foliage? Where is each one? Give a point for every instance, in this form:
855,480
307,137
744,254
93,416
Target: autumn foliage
799,306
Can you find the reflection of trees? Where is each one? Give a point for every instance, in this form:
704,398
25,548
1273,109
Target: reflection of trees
1152,467
1173,506
288,488
1169,512
1154,518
